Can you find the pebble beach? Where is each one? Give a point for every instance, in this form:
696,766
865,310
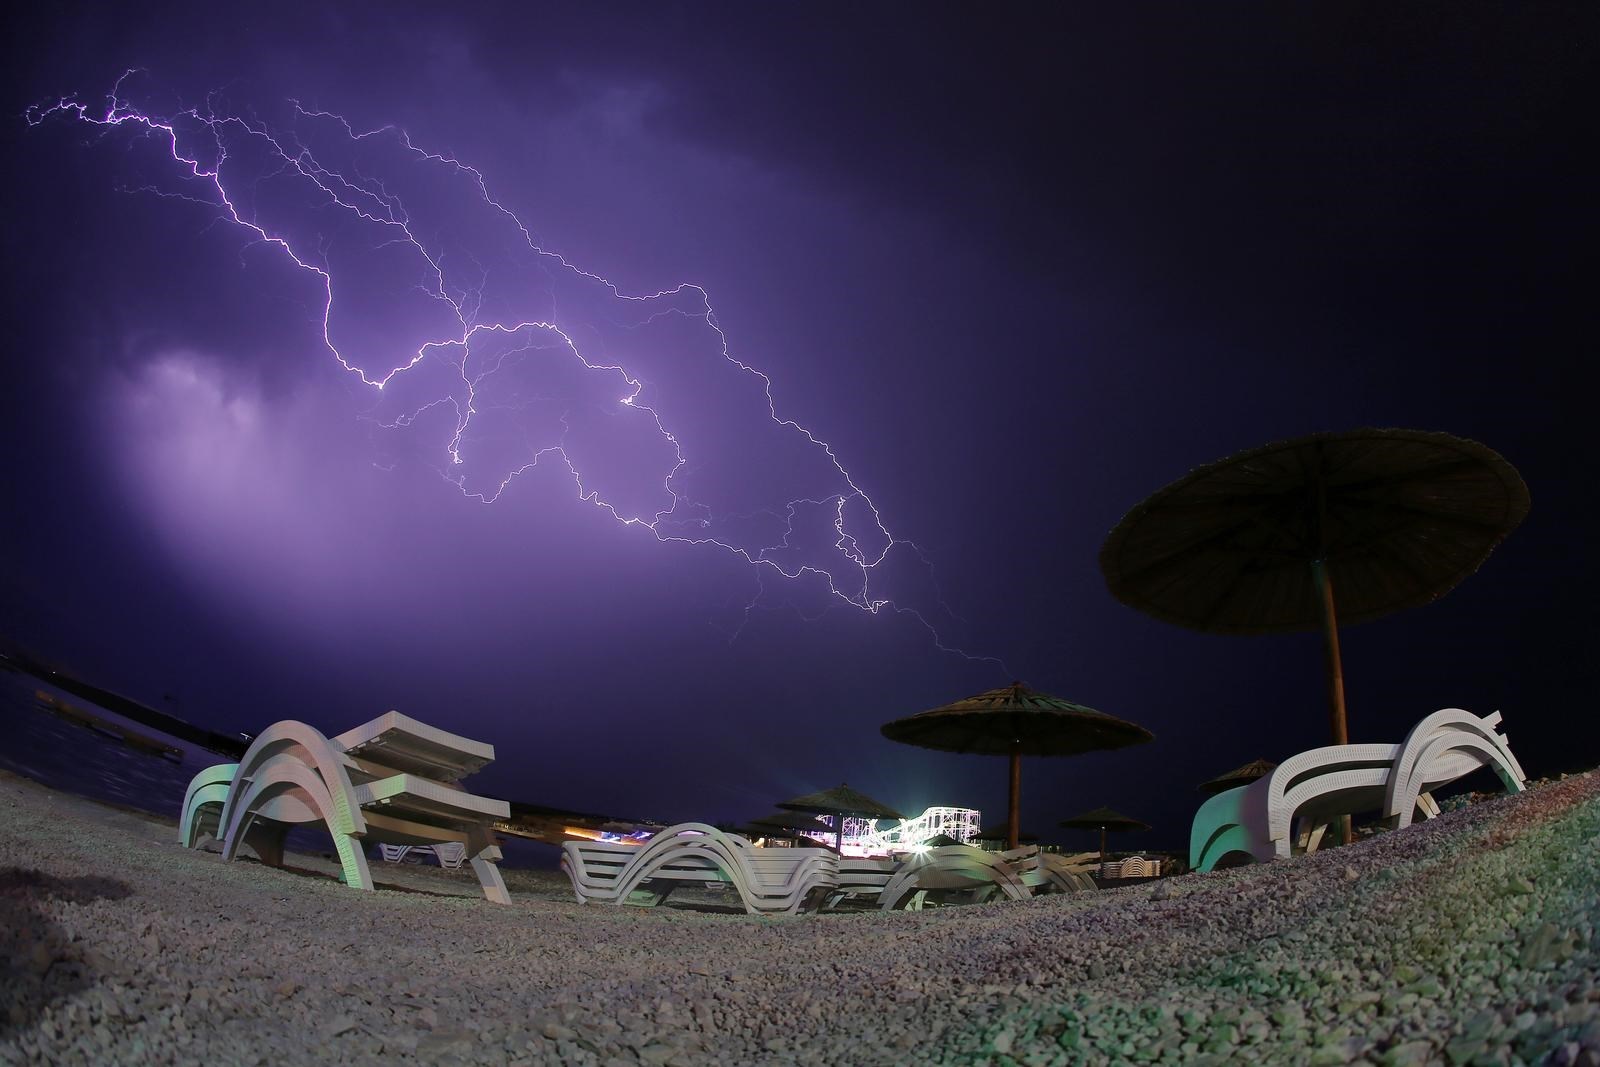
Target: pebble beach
1470,939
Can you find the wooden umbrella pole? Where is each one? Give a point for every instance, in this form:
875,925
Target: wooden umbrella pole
1330,620
1330,642
1330,630
838,833
1013,829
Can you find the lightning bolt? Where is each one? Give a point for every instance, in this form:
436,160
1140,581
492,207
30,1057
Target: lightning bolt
475,365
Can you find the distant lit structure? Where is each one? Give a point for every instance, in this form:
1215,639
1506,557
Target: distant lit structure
863,838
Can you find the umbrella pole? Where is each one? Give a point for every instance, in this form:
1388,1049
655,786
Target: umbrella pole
838,833
1102,845
1013,829
1330,644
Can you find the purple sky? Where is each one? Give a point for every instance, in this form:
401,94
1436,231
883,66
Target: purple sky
1017,276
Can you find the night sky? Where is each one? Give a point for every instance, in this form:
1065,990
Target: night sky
1019,270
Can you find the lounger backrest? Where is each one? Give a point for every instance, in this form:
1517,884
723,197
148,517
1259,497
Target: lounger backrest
1447,745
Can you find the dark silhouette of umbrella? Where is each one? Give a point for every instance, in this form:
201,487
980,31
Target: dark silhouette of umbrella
1261,542
1106,821
785,824
839,802
1001,832
1259,768
1011,721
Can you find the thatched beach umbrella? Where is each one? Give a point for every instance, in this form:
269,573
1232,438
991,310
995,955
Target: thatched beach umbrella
1265,541
786,824
789,820
1012,721
1106,821
1258,768
839,802
1001,832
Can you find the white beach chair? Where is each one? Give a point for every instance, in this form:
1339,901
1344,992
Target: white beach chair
1138,867
449,854
952,874
768,880
1066,874
861,879
392,780
1258,821
203,803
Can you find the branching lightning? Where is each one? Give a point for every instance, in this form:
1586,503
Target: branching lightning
304,188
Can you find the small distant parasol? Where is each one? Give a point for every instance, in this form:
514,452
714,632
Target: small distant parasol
1106,821
1257,768
1012,721
839,802
1001,832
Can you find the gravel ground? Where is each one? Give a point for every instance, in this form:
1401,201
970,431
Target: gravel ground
1470,939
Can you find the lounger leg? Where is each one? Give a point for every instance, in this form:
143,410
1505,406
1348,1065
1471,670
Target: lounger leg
485,854
1427,806
1314,838
650,894
353,862
267,841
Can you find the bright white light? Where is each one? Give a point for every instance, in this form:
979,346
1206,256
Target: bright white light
863,838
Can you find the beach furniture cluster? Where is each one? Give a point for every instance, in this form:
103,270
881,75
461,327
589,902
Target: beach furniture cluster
1289,810
768,880
392,780
395,782
788,880
1131,867
449,854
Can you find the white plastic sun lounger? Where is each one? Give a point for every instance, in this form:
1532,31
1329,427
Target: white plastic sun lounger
391,780
768,880
1065,874
862,878
1258,821
952,874
450,854
1133,867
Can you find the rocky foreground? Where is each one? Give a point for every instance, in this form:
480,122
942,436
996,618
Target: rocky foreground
1467,940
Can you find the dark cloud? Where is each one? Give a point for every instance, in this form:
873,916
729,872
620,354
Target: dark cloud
1020,268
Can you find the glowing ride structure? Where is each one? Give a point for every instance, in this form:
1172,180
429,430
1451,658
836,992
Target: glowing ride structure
863,838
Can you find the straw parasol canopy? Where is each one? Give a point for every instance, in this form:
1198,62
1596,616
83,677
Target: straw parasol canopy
786,824
839,802
1106,821
1011,721
1268,540
1001,832
1258,768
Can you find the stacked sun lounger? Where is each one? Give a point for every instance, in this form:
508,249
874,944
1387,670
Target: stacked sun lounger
1067,874
1131,867
1289,810
957,874
861,880
449,854
393,780
768,880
